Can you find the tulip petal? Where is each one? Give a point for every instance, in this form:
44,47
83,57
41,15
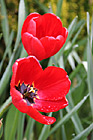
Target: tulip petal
26,22
32,27
52,45
22,106
33,113
50,106
53,84
25,70
33,46
64,32
48,25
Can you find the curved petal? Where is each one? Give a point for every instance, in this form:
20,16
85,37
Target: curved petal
18,101
64,32
26,22
16,95
33,46
32,27
25,70
22,106
50,106
33,113
53,84
52,45
48,25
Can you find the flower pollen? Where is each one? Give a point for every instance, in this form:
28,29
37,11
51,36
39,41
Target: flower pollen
29,92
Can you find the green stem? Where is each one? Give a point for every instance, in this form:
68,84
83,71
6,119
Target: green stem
5,106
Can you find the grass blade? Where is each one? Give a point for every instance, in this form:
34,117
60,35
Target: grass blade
7,49
45,131
29,128
6,76
90,65
84,133
71,30
4,22
11,123
20,128
59,7
62,127
42,6
5,106
73,42
75,119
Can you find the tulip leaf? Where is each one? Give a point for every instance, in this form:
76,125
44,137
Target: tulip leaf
45,131
75,119
4,22
5,106
20,126
11,123
29,128
84,133
23,52
59,7
77,69
1,128
7,49
42,6
90,63
6,76
21,16
69,115
73,42
71,30
63,133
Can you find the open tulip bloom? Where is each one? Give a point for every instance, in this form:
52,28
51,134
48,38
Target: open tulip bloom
43,35
34,89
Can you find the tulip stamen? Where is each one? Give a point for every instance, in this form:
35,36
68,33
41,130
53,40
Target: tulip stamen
29,92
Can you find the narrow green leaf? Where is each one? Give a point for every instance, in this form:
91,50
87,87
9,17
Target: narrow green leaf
71,30
79,24
73,42
1,35
6,76
90,65
4,107
42,6
59,7
84,133
23,52
7,49
77,69
21,16
1,128
75,119
20,128
4,22
45,131
11,123
63,133
91,41
29,128
69,115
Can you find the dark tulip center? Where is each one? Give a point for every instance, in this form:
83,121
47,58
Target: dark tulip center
29,92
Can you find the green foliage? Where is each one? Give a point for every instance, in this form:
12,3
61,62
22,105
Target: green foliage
19,126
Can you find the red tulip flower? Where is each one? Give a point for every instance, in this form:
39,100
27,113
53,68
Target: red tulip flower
34,89
43,35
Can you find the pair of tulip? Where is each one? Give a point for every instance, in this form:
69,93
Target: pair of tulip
32,88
